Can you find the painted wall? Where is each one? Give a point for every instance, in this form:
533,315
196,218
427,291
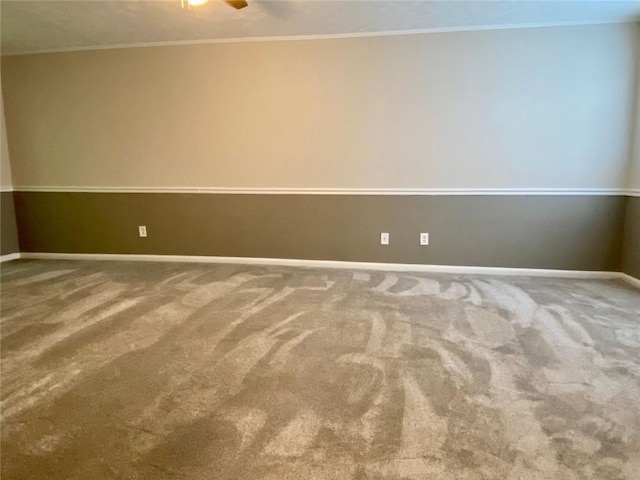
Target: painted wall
533,108
8,230
529,108
8,227
631,245
633,180
630,257
565,232
6,181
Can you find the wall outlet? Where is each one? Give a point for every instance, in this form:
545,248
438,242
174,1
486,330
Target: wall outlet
424,239
384,239
142,231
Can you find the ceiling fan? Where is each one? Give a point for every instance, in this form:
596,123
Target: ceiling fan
237,4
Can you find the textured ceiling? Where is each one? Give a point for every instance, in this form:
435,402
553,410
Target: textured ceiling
29,26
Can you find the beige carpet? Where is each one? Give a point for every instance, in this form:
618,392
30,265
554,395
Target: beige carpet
187,371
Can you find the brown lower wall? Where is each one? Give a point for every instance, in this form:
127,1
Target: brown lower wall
560,232
631,246
8,231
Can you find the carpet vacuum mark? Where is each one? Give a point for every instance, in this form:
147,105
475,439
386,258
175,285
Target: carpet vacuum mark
188,371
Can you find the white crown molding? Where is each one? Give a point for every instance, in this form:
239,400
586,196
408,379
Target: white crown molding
332,191
328,36
394,267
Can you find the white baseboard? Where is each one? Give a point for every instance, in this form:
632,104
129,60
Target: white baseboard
10,256
397,267
631,280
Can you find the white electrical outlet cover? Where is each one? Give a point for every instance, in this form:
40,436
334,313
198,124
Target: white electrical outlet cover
384,239
142,231
424,239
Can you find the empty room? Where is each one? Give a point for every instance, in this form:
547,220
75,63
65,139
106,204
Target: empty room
327,240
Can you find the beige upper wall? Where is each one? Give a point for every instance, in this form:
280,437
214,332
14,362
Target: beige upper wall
634,168
530,108
6,182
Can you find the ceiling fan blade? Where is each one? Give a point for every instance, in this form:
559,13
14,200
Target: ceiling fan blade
237,4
